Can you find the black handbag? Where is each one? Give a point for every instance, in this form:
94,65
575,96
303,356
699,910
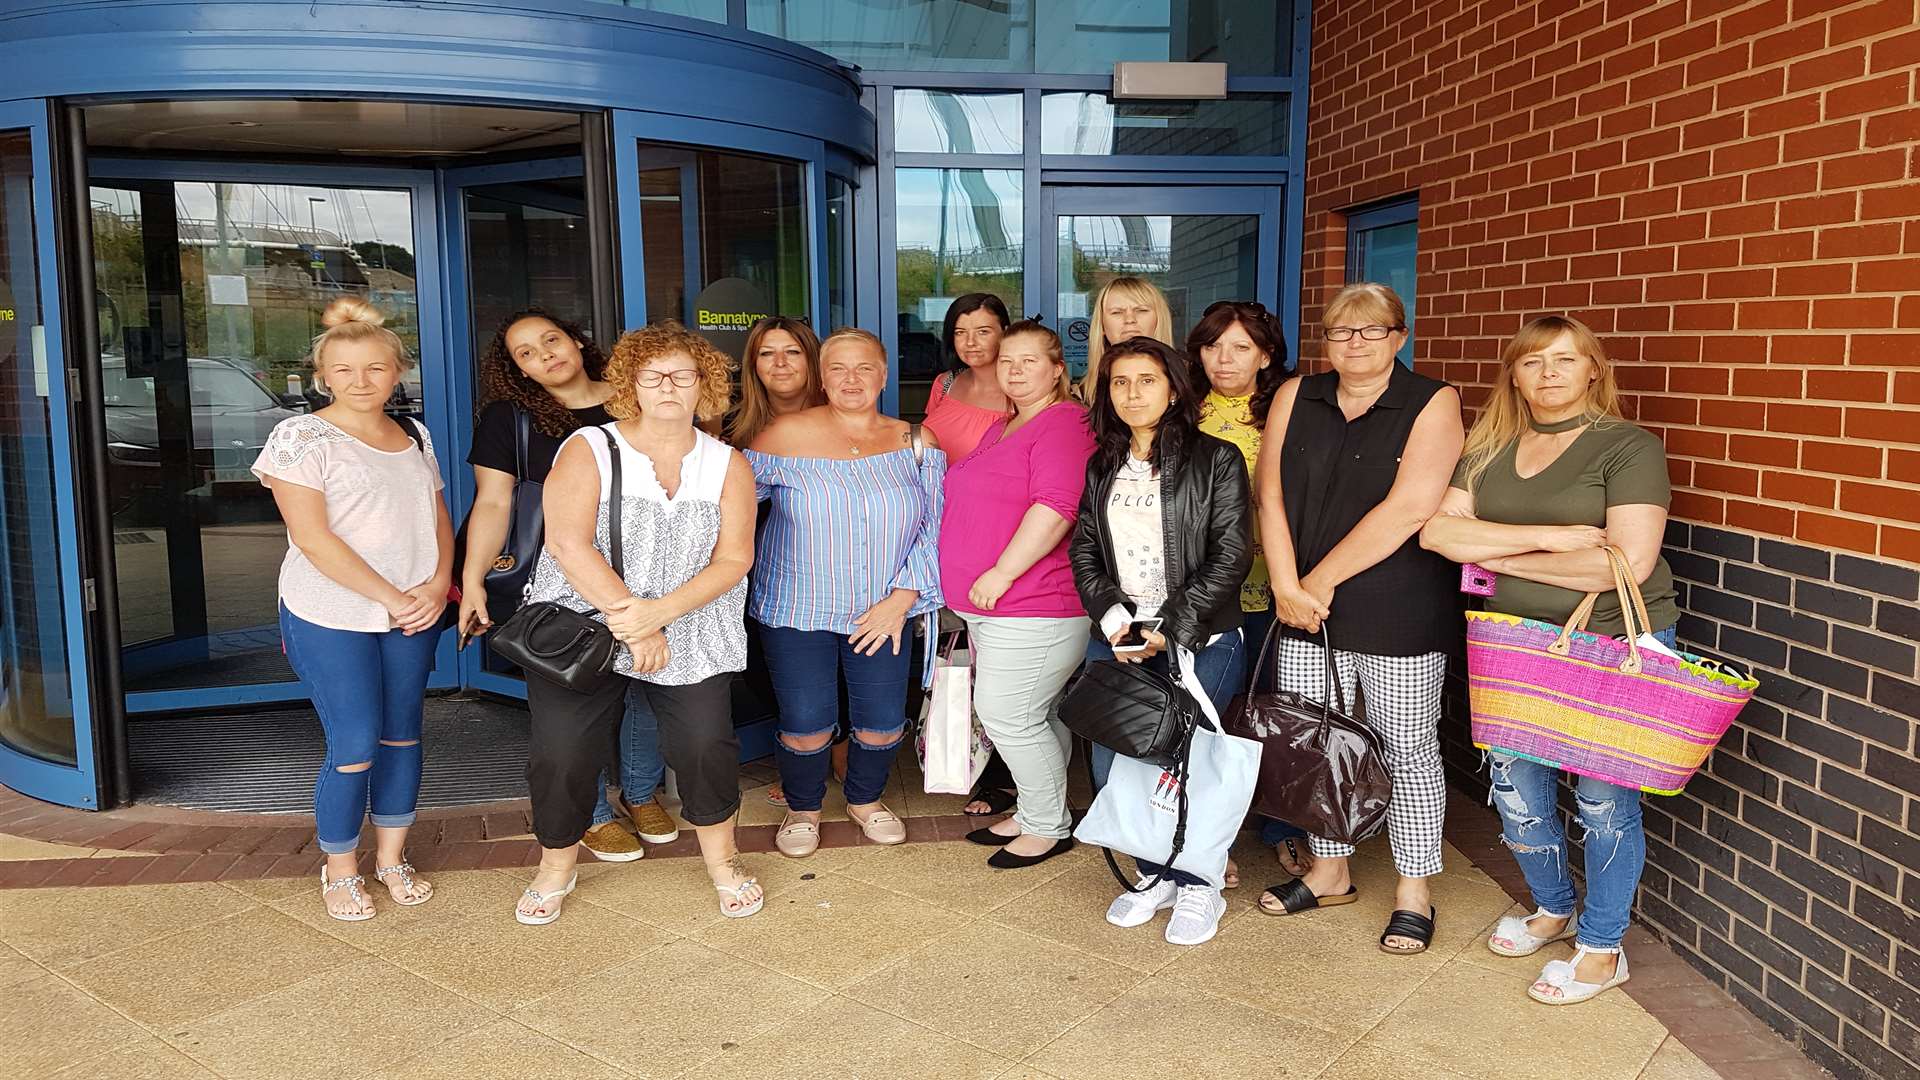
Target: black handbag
1131,710
506,579
1320,769
556,643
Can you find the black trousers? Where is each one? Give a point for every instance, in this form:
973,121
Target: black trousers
574,736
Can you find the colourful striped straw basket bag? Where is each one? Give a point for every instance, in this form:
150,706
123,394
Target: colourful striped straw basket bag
1594,705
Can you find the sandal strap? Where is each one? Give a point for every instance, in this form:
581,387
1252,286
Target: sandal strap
1411,925
1295,896
738,892
351,884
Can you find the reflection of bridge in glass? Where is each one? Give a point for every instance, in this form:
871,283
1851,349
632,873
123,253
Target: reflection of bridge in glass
1128,258
974,260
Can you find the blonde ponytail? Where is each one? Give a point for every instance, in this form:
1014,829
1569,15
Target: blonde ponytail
354,318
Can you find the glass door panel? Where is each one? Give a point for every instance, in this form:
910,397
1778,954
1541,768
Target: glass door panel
1197,245
209,297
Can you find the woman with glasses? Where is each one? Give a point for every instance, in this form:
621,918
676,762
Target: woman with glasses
674,603
1240,353
848,555
1356,460
1127,307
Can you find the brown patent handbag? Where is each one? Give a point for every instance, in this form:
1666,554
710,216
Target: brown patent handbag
1320,769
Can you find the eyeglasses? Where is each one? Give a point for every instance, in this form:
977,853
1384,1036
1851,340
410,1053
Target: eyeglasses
683,378
1368,333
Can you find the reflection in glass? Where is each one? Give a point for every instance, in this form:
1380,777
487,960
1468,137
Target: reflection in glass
941,122
1195,259
1253,37
36,707
840,269
209,297
724,238
708,10
959,232
1241,125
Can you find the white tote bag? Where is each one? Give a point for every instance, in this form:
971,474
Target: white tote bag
952,746
1137,810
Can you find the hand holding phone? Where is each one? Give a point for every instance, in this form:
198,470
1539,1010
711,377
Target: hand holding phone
1133,636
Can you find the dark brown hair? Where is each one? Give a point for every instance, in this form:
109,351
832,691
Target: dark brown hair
1178,427
502,380
1263,329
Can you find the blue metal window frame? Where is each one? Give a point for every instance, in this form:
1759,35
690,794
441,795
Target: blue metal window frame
77,784
437,379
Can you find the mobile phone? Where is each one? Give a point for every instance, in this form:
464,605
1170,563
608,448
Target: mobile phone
1477,580
1134,637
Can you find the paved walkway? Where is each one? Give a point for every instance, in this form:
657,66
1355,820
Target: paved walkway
867,962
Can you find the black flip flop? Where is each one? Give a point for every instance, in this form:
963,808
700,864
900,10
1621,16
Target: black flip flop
1295,897
1293,856
998,801
1409,924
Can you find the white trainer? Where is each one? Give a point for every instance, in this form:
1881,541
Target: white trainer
1196,915
1139,908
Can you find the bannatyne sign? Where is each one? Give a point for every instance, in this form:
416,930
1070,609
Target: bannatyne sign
725,310
733,320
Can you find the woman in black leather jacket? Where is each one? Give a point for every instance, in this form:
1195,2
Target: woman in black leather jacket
1164,533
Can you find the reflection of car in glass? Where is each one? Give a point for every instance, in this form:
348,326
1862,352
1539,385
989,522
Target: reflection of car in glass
233,413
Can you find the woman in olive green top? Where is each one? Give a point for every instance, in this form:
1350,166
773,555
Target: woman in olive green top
1551,475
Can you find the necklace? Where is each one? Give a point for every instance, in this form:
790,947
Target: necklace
1557,426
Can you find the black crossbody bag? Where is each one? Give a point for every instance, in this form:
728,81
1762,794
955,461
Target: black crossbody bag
556,643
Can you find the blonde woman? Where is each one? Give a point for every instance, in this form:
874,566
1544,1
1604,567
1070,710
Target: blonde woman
362,589
1353,462
1127,307
1551,475
1003,567
675,604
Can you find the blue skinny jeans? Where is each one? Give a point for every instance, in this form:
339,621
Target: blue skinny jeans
807,667
1527,795
641,767
368,690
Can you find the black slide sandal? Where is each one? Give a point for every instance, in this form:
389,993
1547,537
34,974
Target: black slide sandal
998,801
1295,897
1409,924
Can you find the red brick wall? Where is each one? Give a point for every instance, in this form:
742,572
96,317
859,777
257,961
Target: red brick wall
1727,191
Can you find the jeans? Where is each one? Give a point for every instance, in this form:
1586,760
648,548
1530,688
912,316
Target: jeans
1526,794
641,770
1221,669
367,689
807,668
1020,666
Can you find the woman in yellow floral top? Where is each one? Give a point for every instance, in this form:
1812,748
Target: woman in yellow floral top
1238,347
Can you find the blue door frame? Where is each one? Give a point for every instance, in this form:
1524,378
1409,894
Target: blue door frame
439,379
77,784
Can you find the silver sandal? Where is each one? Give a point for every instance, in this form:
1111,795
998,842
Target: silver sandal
738,894
407,882
352,886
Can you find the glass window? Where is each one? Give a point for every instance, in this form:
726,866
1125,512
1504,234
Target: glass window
710,10
959,231
940,122
1241,125
527,247
840,269
246,270
36,708
1382,246
1253,37
724,238
1195,259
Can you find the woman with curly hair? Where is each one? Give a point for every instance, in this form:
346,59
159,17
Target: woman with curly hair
546,369
675,603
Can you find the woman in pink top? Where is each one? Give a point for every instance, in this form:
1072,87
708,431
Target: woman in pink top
1003,568
967,400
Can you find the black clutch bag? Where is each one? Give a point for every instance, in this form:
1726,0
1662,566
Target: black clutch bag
556,643
1130,710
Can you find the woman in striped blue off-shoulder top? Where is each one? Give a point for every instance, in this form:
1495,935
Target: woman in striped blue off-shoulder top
849,553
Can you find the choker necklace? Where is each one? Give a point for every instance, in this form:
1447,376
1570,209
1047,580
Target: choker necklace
1557,426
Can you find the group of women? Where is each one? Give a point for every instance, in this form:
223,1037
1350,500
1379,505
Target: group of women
1192,494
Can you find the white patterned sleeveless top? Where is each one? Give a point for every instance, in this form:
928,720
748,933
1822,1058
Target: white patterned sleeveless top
667,541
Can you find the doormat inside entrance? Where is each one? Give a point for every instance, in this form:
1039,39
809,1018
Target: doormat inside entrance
265,762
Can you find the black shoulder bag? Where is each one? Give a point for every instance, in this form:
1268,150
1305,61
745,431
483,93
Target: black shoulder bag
555,642
506,579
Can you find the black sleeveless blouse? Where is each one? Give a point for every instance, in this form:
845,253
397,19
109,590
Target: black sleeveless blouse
1333,472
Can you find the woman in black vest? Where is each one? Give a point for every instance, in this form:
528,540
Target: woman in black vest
1354,462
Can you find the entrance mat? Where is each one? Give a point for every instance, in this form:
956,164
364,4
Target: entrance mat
265,762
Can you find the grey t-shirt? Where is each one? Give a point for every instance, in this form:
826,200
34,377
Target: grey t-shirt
1613,463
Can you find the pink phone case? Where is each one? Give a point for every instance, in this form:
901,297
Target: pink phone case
1477,580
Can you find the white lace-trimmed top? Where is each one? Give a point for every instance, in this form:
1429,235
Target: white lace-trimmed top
383,503
667,540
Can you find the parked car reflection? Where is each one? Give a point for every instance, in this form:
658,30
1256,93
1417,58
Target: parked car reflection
233,412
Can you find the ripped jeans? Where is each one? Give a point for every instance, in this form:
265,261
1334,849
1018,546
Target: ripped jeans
1527,795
